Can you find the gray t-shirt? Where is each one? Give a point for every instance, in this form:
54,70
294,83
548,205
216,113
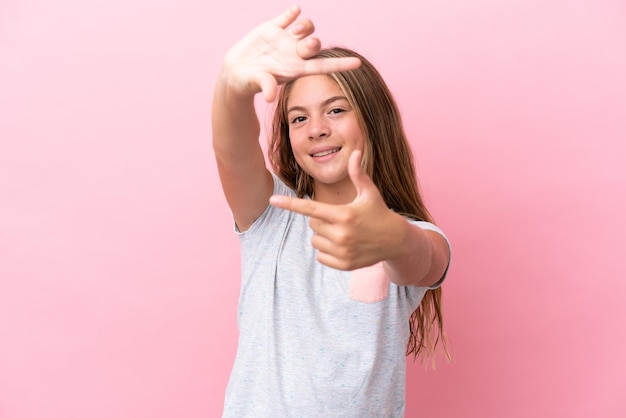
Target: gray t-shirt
306,348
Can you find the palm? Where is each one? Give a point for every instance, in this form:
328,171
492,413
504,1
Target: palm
274,53
270,51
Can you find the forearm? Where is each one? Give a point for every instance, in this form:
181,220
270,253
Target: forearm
419,257
235,125
246,182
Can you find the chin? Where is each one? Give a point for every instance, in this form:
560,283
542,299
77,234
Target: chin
329,180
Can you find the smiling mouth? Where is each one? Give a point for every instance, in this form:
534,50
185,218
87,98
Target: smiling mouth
323,153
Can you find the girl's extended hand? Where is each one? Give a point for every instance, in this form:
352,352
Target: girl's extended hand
355,235
275,52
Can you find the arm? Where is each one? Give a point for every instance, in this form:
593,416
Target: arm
419,257
365,232
246,182
271,54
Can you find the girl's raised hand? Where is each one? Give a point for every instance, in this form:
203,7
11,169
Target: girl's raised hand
355,235
277,51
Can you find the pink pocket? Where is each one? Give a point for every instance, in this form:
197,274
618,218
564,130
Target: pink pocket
369,284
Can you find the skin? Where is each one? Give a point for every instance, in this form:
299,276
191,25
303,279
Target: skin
272,53
352,224
321,119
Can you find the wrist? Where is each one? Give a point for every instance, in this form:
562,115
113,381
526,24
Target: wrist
233,87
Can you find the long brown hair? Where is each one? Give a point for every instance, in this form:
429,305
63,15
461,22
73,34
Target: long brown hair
388,160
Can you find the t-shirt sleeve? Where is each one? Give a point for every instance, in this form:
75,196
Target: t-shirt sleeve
280,188
432,227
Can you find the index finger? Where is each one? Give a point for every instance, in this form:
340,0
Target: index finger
311,208
287,17
331,65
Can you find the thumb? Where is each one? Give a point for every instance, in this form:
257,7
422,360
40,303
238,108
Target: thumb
359,177
268,85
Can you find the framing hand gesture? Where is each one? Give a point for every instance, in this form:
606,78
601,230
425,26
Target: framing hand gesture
355,235
277,51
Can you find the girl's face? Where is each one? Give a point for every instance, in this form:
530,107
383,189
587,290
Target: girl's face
324,131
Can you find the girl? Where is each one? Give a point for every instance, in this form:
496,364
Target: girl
341,272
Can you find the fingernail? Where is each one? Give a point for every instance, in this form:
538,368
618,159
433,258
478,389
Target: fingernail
274,200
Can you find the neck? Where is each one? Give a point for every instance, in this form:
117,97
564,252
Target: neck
334,194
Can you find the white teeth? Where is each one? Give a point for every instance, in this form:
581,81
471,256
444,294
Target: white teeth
321,154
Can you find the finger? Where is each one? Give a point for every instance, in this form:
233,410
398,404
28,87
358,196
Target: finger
269,86
267,83
305,207
359,178
308,47
329,231
334,262
302,29
287,17
331,65
328,235
326,250
322,244
316,224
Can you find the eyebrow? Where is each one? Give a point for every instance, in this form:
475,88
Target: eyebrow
324,103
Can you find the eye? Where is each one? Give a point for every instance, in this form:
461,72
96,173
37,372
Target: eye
298,119
336,111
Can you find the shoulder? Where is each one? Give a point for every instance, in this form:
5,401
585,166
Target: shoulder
280,187
271,217
429,226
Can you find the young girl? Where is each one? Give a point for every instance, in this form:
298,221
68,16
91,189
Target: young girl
341,267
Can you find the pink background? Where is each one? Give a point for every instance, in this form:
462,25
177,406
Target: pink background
118,267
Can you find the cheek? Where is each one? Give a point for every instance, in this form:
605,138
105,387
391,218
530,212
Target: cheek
358,135
360,142
296,150
296,157
296,143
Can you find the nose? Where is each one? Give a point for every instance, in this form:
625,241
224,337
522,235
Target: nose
318,128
